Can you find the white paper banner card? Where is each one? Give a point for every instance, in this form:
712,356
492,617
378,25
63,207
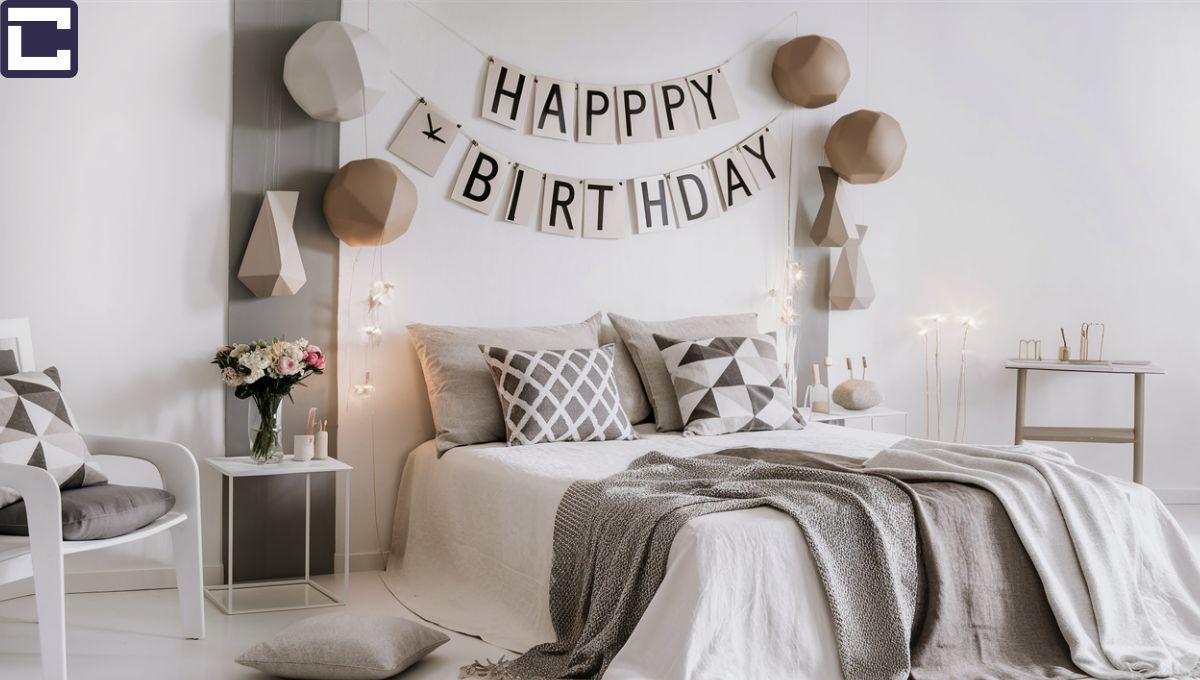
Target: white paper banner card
635,114
553,108
652,205
597,115
673,105
604,114
506,94
693,194
605,208
481,179
734,178
712,98
425,138
562,205
764,156
523,196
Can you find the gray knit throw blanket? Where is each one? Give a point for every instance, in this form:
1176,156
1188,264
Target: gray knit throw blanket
612,538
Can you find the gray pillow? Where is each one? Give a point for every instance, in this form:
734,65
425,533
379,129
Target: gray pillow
8,362
638,336
95,512
466,409
629,383
344,647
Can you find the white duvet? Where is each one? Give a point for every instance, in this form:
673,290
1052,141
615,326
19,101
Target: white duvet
741,597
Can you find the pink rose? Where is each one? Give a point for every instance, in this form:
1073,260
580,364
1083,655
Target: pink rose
224,349
287,366
315,359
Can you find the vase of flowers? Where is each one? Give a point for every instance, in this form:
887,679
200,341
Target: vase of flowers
264,373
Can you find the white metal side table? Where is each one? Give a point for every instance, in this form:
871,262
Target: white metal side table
256,596
838,415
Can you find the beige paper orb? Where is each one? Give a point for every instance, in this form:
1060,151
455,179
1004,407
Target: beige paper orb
865,147
810,71
369,202
336,71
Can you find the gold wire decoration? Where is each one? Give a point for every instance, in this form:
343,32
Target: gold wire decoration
1029,350
1085,336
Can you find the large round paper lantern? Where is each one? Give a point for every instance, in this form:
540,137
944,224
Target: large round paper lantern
369,202
336,71
810,71
865,147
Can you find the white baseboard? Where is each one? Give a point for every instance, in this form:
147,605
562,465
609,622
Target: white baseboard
161,577
1179,496
105,581
360,561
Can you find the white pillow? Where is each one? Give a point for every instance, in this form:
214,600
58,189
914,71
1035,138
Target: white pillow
344,647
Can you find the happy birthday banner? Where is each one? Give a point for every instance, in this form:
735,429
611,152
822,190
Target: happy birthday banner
591,208
605,114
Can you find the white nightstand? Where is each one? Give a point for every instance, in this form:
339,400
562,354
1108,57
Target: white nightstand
265,596
838,415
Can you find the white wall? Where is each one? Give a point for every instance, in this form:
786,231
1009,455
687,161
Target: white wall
114,214
456,266
1050,180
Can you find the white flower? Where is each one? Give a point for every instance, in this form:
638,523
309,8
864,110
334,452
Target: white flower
301,344
238,350
255,374
231,376
258,360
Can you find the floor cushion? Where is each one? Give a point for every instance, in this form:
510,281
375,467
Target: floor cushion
95,512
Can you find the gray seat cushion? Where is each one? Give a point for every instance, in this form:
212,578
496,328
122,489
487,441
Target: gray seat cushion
95,512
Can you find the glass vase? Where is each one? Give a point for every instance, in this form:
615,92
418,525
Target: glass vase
265,429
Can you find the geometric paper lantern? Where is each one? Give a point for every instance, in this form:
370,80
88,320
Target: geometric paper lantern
369,202
272,264
810,71
336,71
830,226
851,287
865,147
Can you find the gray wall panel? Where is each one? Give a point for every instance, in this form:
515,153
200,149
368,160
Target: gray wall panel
277,146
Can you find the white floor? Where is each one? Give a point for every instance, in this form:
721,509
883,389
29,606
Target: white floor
132,636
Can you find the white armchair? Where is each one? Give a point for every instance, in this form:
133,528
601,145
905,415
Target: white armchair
40,555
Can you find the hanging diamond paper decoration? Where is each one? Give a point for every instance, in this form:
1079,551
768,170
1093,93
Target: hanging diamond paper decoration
336,71
851,287
272,264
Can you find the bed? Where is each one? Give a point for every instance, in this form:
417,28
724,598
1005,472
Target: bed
472,552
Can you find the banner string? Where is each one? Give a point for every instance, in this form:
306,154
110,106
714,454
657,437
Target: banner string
723,62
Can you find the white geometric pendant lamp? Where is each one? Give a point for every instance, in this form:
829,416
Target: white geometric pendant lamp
831,226
851,287
272,266
336,71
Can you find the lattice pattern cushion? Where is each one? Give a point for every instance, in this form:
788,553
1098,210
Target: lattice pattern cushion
731,384
36,428
566,395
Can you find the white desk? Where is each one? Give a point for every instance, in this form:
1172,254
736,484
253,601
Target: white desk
838,415
1104,435
299,593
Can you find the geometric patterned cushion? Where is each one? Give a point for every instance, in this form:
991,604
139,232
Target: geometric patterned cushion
728,385
564,395
36,428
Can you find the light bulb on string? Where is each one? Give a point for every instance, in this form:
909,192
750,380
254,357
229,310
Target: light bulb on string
381,294
373,332
364,389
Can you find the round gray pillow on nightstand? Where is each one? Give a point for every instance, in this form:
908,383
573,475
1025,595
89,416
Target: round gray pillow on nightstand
344,647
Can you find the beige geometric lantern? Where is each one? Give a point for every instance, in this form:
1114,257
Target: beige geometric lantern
336,71
829,227
810,71
272,266
369,202
865,147
851,287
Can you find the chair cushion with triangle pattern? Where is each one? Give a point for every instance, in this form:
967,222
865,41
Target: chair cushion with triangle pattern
37,428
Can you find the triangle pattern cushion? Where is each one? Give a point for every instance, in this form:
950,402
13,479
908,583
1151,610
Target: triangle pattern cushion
37,429
567,395
729,384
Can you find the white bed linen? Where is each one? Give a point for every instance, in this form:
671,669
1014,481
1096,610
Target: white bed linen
741,597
